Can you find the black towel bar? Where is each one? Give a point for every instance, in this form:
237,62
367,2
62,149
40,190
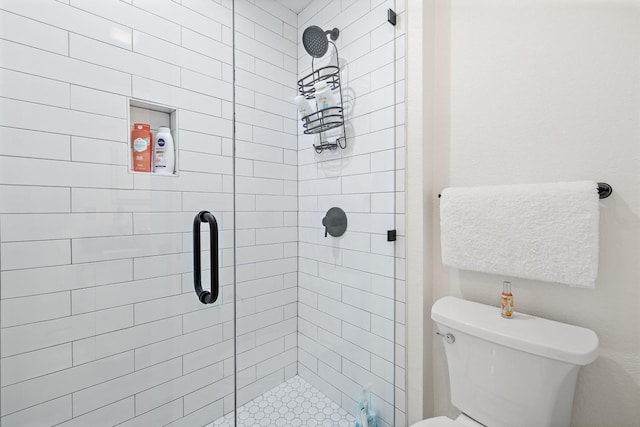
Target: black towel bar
604,190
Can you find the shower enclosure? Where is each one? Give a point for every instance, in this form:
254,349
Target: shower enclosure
212,295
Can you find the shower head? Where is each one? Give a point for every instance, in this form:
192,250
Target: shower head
315,40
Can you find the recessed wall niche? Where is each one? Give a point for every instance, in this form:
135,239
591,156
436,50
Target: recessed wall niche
156,116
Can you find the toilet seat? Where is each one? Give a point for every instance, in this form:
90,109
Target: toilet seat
437,422
461,421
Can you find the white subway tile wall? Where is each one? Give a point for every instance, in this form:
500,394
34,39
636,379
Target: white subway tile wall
351,289
267,293
99,322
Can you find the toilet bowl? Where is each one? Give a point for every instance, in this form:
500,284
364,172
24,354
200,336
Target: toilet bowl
504,372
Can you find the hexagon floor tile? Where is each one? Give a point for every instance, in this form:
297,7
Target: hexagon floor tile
293,403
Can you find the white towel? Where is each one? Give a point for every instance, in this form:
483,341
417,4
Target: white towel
545,232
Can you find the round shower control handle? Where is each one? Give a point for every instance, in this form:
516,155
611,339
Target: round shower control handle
449,338
335,222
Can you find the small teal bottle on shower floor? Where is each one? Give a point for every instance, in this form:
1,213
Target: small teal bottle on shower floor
366,417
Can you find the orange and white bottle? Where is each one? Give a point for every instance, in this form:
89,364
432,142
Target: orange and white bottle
141,147
506,301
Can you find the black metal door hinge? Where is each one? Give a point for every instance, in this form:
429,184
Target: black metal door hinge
391,235
391,17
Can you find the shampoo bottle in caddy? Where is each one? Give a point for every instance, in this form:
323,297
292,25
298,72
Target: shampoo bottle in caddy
324,100
324,96
304,108
164,157
506,301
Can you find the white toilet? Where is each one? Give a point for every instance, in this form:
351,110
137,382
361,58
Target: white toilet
509,372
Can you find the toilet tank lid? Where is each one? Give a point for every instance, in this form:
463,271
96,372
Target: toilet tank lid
547,338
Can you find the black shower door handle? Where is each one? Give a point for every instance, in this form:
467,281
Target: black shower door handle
206,297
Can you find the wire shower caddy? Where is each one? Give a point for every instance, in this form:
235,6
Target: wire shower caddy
325,119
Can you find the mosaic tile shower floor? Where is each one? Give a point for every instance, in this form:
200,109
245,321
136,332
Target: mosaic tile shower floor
293,403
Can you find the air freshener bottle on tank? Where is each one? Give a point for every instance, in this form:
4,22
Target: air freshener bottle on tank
506,301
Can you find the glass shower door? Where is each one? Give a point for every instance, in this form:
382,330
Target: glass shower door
100,324
315,308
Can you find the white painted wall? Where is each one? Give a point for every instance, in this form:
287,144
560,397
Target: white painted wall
419,189
544,91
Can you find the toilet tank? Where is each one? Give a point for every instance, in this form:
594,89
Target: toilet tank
505,372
